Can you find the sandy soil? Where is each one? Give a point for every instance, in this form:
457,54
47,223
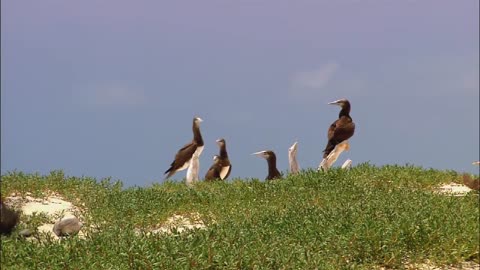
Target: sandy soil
50,204
453,189
179,223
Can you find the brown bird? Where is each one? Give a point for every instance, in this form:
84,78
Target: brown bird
184,155
340,130
214,172
273,173
8,219
471,183
225,165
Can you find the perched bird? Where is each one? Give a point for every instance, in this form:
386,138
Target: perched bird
8,219
340,130
292,158
186,153
225,165
214,171
273,173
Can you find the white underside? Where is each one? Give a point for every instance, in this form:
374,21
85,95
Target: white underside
193,166
199,151
184,165
187,164
292,159
224,171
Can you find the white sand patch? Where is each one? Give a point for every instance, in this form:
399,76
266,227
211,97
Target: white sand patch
430,266
51,204
180,223
454,189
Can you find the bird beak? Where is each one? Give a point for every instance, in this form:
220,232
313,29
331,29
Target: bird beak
293,147
476,163
259,153
336,102
199,119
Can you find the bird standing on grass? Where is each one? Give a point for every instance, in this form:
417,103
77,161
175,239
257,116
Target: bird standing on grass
225,165
191,150
273,172
342,129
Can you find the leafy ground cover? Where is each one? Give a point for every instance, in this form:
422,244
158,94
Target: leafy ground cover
364,218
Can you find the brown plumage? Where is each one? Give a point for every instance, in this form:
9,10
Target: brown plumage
471,183
225,165
8,219
214,172
185,154
340,130
269,155
221,166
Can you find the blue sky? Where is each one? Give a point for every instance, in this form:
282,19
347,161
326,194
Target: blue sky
109,88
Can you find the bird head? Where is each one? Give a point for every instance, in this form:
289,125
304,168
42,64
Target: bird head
220,142
266,154
293,148
197,120
341,102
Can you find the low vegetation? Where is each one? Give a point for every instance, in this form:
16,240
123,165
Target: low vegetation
364,218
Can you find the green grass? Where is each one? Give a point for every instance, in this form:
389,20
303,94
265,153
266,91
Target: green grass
359,219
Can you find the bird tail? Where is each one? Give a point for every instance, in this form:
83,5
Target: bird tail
169,171
329,148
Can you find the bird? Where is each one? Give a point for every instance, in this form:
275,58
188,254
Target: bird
186,153
225,165
273,172
471,183
8,219
340,130
292,158
214,171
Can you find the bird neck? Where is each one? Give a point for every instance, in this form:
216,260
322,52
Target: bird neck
345,110
223,151
197,136
272,166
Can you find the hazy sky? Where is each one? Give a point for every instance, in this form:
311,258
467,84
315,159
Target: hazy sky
109,88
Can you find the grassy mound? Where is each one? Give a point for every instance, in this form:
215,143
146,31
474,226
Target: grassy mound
363,218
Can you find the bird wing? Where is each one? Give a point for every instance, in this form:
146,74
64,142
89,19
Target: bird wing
213,172
183,155
340,130
331,130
